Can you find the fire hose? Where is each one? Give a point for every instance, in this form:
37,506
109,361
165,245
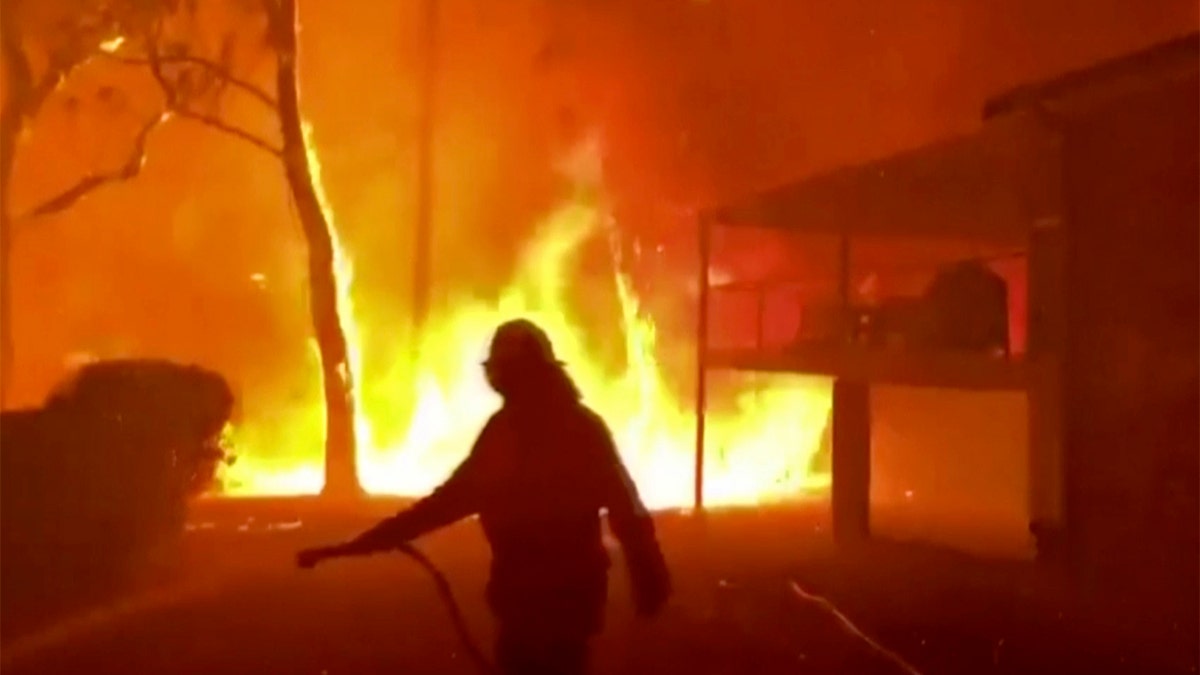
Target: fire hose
852,629
446,593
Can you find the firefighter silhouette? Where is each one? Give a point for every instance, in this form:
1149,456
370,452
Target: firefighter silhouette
538,477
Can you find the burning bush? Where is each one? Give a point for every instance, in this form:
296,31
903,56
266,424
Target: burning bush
100,476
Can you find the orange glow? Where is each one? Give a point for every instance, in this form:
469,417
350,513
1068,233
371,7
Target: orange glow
414,426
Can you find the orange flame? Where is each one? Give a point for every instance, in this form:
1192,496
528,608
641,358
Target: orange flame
415,426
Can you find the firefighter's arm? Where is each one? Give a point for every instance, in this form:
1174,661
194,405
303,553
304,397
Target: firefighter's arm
633,527
453,500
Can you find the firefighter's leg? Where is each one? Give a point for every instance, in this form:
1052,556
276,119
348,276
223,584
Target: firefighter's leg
528,653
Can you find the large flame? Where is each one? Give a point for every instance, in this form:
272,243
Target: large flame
417,421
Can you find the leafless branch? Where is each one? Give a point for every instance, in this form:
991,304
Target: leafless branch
130,169
225,127
216,69
174,106
25,93
155,62
44,87
136,159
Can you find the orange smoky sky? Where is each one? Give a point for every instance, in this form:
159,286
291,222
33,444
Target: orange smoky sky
200,259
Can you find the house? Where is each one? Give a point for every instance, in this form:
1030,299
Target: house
1080,194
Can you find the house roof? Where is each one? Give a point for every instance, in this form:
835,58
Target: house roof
1114,77
995,184
986,185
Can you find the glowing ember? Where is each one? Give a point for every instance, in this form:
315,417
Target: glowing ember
111,46
417,420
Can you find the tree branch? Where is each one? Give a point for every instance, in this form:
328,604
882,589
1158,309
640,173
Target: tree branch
230,129
45,87
216,69
130,169
20,77
25,95
156,61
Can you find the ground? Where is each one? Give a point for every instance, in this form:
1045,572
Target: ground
240,607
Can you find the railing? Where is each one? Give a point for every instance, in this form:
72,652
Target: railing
887,342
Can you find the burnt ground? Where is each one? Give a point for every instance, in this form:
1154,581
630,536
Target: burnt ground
235,605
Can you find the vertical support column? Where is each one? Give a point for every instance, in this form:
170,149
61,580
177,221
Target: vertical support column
851,461
844,286
1044,191
1046,313
704,236
760,326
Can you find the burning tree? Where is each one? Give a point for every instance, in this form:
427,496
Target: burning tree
45,41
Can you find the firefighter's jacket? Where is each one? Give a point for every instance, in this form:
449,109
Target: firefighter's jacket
538,477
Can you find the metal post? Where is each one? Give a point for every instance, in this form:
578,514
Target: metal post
423,244
845,323
760,327
701,357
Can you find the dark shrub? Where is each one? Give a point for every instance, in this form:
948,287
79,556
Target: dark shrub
99,478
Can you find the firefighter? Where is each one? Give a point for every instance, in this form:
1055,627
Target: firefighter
538,476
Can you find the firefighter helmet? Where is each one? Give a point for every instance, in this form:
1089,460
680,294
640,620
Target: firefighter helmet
520,341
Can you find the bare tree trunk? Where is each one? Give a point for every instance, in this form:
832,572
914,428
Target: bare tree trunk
341,474
12,120
10,128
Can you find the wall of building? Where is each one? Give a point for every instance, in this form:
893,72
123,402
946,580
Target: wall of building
1130,375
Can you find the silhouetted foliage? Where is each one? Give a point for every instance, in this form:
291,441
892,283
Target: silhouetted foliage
97,481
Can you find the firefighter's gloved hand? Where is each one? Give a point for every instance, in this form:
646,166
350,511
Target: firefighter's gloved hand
310,557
